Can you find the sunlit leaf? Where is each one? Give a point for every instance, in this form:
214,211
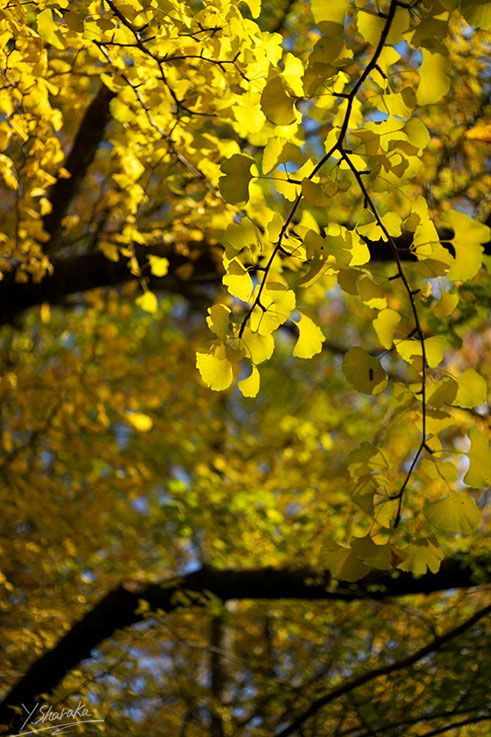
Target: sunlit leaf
310,338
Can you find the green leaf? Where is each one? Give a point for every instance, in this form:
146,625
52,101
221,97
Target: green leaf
234,186
364,371
276,104
457,512
472,390
422,556
310,338
479,473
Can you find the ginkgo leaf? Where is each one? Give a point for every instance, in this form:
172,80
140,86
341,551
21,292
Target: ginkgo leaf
344,564
364,371
329,15
433,80
377,556
218,320
140,421
255,7
159,266
477,13
385,324
421,557
238,281
47,28
457,512
313,194
310,338
274,308
467,243
148,302
472,389
479,473
234,186
446,305
215,368
276,104
258,347
249,387
412,349
444,393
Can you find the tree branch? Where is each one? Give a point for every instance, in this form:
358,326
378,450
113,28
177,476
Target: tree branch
119,608
89,136
353,683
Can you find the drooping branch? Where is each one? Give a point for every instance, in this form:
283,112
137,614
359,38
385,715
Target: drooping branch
120,607
89,136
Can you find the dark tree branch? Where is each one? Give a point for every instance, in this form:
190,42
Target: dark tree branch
89,137
82,272
119,608
435,645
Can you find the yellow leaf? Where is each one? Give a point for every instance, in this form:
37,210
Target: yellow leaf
433,80
457,512
446,305
276,104
140,421
238,281
219,320
364,371
479,473
159,266
275,305
310,338
329,15
258,347
255,7
249,387
215,368
412,349
472,389
148,302
47,28
234,186
469,235
385,324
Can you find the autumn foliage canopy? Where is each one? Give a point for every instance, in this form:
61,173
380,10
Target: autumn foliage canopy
245,355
